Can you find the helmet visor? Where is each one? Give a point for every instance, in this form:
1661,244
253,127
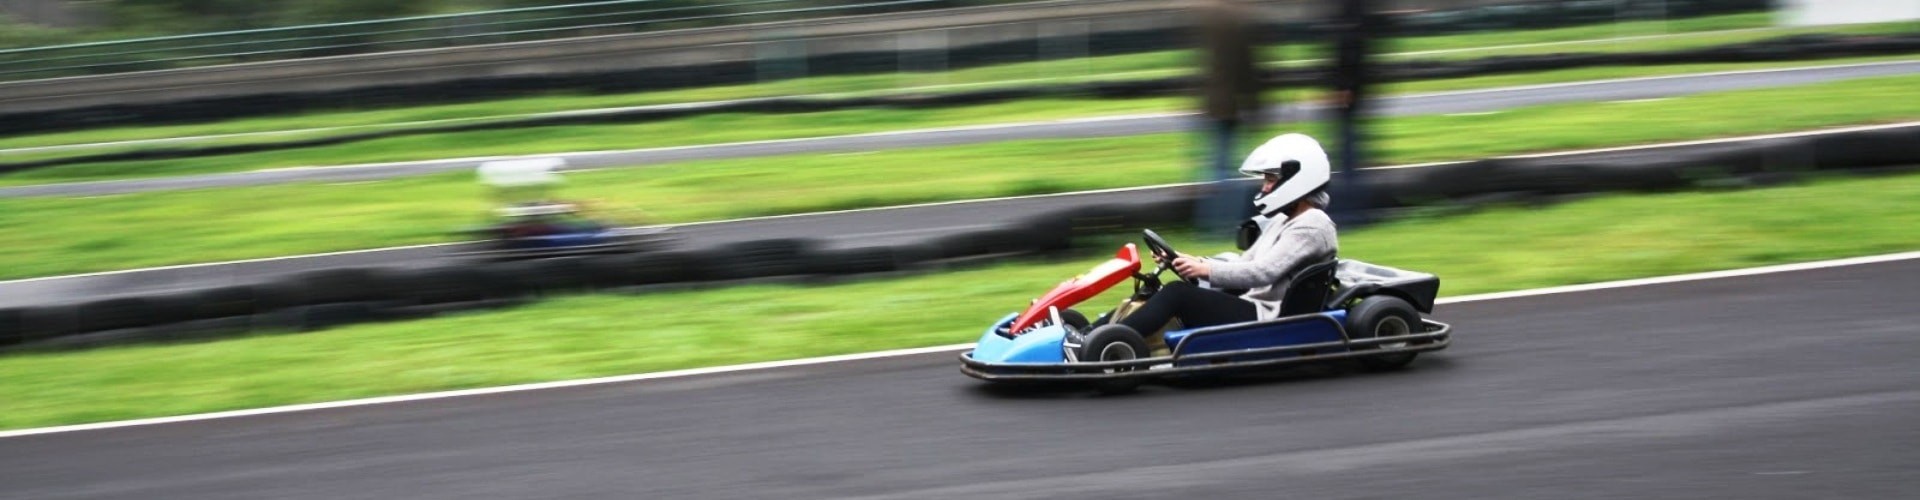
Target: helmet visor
1272,179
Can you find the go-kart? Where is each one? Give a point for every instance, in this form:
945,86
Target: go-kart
528,222
1336,309
554,229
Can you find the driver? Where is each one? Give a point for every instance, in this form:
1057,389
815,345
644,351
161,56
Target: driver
1296,173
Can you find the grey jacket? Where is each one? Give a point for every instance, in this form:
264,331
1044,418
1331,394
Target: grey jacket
1266,267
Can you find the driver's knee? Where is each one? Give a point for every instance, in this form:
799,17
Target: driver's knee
1176,289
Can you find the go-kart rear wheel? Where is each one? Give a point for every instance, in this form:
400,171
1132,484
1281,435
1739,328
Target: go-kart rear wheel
1115,342
1383,316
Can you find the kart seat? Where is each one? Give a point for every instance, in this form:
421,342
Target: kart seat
1310,288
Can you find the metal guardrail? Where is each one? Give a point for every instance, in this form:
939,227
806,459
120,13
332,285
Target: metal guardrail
422,32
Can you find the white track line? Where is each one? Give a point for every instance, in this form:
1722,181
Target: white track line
899,353
987,200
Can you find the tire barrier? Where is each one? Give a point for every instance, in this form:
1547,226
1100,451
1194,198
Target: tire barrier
1885,147
123,313
1685,166
1051,232
13,326
322,299
38,324
445,285
1096,218
234,301
863,260
542,277
341,285
654,268
320,316
765,258
993,241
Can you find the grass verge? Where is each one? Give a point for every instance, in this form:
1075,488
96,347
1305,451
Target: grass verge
1673,35
1606,238
49,236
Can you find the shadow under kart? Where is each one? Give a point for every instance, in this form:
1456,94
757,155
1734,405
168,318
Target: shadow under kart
1333,310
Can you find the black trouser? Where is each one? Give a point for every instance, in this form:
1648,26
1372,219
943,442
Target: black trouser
1195,306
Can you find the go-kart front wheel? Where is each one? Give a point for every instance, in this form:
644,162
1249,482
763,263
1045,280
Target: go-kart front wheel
1075,320
1114,342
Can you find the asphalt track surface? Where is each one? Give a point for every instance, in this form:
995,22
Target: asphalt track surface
1789,385
1474,101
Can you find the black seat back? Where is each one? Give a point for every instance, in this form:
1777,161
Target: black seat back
1310,288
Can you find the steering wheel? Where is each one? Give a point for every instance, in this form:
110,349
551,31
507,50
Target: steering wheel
1160,248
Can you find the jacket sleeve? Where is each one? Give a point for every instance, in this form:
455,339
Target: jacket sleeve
1296,245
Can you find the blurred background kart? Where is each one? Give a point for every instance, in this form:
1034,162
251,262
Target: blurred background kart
529,222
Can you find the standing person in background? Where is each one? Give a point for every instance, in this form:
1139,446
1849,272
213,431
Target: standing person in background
1230,93
1354,26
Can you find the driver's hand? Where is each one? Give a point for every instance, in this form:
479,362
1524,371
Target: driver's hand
1162,258
1188,266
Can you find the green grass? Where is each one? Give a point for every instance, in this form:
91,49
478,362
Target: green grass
1159,64
48,236
735,127
1613,237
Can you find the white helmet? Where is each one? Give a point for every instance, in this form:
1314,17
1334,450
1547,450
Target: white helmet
1300,163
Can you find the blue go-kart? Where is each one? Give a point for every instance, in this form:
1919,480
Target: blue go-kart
1337,309
528,222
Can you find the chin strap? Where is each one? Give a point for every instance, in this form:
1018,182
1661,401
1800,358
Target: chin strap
1249,233
1250,229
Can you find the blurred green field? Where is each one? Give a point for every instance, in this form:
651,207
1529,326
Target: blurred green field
49,236
1685,33
1603,238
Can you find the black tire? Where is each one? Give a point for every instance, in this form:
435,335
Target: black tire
1113,343
13,326
1076,320
914,255
47,322
1382,316
1096,219
610,270
548,276
115,314
436,285
1048,232
228,301
353,284
855,261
